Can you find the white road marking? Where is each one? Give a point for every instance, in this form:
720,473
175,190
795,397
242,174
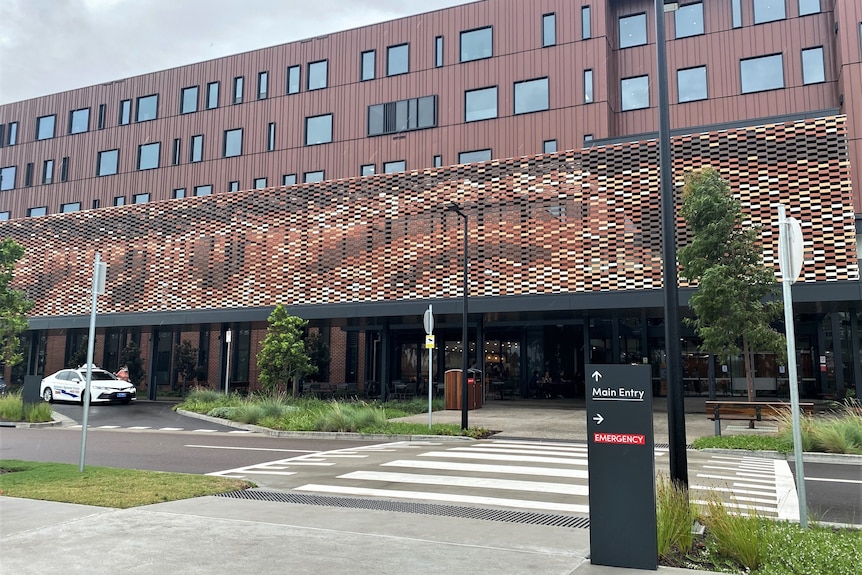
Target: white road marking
504,457
249,448
170,429
785,490
487,468
830,480
140,427
490,449
108,427
480,482
448,497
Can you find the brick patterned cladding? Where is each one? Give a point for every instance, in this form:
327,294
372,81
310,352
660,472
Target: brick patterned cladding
575,221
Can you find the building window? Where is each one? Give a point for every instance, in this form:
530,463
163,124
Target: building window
768,11
232,143
688,20
397,59
79,121
40,211
317,72
293,80
147,108
28,175
45,127
178,193
588,138
238,89
635,93
270,137
366,170
96,204
691,84
7,178
2,135
311,177
175,152
474,156
101,121
212,95
549,146
764,73
125,112
259,183
807,7
367,66
13,134
148,156
588,86
119,200
4,217
70,207
438,161
477,44
531,96
633,31
402,116
47,172
813,71
233,186
393,167
438,52
736,13
480,104
106,164
205,190
318,130
549,30
196,150
262,85
64,169
288,180
140,198
586,28
189,100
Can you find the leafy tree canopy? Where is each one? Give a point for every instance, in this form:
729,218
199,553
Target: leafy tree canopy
735,301
14,305
283,359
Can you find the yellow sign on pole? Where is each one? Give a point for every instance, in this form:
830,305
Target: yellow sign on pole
429,342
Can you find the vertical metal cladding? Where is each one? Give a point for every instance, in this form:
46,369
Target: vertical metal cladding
573,222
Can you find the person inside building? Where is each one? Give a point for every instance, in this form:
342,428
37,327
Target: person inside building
544,390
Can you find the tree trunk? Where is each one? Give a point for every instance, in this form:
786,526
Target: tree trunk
749,376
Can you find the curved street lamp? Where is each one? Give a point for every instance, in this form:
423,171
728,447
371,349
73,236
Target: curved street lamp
453,207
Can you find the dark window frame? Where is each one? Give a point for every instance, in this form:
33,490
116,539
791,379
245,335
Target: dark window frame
586,23
306,174
227,135
496,103
676,21
822,65
389,50
331,129
103,109
309,77
53,127
530,81
643,15
148,146
100,156
623,107
124,118
213,87
546,42
779,55
367,70
72,114
196,154
195,103
238,94
438,51
481,150
262,85
679,83
461,35
138,110
47,172
770,18
388,113
290,86
270,137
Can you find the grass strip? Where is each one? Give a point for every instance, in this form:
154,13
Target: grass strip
106,486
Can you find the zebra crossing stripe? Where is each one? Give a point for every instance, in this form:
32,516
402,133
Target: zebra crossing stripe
491,449
447,497
489,468
460,481
504,457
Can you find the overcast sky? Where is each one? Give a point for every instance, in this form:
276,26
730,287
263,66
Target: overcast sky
49,46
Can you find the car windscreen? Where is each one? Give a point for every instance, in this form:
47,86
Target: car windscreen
100,376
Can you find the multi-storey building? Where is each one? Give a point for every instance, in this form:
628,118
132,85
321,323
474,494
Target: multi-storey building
329,163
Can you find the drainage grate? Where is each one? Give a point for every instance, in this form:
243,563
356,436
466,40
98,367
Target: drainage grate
525,517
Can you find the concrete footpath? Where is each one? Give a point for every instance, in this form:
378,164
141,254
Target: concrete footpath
217,535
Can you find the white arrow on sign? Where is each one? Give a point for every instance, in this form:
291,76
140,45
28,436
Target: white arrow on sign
596,375
598,419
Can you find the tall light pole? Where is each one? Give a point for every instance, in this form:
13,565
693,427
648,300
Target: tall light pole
464,347
675,398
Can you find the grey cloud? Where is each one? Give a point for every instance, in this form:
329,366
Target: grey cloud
48,46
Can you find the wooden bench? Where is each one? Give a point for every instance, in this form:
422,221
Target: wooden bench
750,411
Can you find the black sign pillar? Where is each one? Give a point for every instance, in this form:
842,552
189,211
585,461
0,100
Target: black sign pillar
621,466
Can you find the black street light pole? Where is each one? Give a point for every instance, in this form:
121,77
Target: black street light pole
464,347
675,399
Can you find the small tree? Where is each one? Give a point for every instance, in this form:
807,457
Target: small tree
185,361
130,356
734,301
318,354
13,305
79,356
282,358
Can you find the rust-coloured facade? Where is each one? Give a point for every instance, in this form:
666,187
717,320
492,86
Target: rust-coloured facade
565,246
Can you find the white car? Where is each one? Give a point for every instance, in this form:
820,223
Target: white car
69,385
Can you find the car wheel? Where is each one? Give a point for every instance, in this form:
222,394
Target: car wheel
83,396
48,395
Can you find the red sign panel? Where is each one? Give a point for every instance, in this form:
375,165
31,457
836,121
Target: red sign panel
620,438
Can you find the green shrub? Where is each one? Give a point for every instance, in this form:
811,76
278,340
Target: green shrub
223,412
781,443
837,432
674,517
738,536
38,412
12,408
791,550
